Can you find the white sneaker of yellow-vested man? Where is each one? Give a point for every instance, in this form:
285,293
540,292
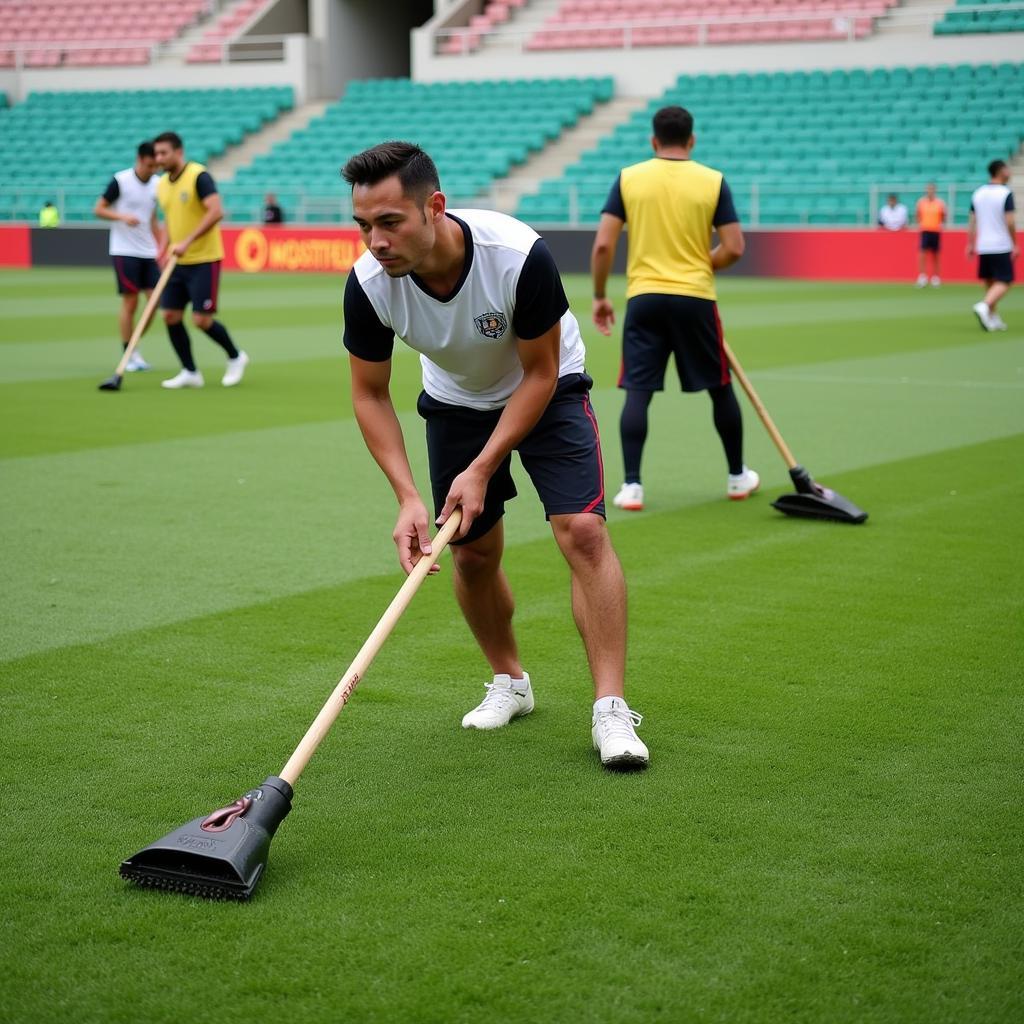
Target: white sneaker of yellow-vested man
506,698
183,379
236,370
742,485
630,498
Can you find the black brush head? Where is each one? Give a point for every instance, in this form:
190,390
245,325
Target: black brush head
219,856
111,384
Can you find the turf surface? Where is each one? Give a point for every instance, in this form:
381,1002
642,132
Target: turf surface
830,829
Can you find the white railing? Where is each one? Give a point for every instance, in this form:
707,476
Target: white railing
849,23
29,56
321,206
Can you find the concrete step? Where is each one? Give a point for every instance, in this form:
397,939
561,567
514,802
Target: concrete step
552,161
224,167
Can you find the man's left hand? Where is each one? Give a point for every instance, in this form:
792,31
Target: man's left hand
180,249
468,489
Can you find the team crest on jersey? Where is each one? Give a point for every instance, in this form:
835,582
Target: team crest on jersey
183,196
491,325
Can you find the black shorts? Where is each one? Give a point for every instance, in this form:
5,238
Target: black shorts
196,283
135,274
659,326
562,454
931,241
995,266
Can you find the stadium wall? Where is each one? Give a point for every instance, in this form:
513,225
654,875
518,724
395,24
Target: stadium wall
648,71
817,255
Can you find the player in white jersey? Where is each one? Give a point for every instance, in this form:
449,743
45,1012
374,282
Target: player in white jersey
478,295
992,234
129,202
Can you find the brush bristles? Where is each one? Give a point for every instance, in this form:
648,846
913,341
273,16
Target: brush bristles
190,887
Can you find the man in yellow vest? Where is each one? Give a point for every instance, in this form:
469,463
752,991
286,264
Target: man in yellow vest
48,216
192,213
672,204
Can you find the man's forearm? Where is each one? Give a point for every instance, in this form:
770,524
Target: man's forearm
382,433
600,267
722,257
518,418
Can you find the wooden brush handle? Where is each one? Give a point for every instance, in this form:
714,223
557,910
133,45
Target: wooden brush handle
338,699
762,412
147,314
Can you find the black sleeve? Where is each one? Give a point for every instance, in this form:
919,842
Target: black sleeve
1009,207
365,336
725,211
113,191
540,297
205,185
614,204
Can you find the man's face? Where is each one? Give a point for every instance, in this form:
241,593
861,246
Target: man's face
930,190
398,229
1004,174
892,200
167,157
145,167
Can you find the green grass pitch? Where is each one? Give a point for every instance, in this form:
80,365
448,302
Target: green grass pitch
830,827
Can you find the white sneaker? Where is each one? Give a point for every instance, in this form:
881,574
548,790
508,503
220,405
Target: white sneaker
936,281
502,703
984,315
136,363
630,498
236,369
614,734
185,379
743,485
996,322
922,280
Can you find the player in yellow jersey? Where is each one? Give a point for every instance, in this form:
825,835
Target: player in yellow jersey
930,213
672,204
192,213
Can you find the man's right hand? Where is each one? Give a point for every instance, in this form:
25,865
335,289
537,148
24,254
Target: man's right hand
132,222
412,536
604,316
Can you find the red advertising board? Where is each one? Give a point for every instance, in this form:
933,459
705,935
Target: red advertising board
15,247
857,255
257,250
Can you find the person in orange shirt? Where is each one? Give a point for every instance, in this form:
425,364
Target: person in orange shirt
931,218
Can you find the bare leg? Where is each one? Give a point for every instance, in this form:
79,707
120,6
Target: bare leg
935,264
126,315
996,290
598,597
485,598
921,263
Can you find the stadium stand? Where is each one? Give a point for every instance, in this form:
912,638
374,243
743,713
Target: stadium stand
72,142
231,22
973,16
87,30
476,130
813,147
579,24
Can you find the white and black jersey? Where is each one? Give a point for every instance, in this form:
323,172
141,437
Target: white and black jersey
893,218
990,205
509,290
127,194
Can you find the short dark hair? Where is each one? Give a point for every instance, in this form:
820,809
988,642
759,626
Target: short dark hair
995,167
415,170
145,149
892,195
673,126
170,137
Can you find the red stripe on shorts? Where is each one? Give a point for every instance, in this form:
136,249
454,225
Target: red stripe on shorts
215,276
600,461
721,347
118,266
